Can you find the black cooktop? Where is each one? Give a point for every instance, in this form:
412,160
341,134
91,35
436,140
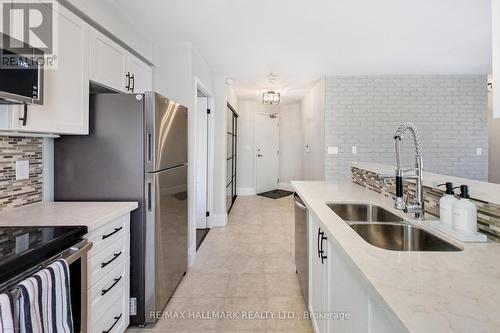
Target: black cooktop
24,247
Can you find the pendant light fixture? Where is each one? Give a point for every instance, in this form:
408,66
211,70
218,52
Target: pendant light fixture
271,97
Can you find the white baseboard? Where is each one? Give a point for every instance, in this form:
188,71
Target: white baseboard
286,187
219,220
192,255
246,191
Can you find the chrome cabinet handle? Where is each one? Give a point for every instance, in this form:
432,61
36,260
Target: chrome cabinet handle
105,291
117,319
112,233
132,79
127,86
116,255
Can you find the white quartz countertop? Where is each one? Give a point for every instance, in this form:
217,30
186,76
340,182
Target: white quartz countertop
90,214
427,291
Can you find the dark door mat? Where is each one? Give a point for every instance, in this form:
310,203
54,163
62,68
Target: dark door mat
200,236
275,194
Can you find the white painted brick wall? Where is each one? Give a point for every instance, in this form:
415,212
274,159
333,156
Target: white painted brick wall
450,112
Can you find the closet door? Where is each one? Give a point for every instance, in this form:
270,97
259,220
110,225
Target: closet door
231,139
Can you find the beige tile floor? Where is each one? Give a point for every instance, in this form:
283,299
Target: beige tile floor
245,267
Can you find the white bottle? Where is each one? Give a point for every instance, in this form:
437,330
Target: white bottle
446,206
465,213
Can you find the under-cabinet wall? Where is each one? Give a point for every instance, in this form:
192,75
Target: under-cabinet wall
16,193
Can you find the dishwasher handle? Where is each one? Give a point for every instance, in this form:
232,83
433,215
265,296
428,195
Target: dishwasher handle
298,202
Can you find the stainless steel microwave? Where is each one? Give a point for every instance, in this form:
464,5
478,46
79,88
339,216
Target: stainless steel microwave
21,72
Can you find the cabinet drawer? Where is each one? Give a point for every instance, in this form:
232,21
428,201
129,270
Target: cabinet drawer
115,319
106,235
102,263
105,292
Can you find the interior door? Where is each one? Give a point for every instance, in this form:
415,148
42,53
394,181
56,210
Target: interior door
266,152
201,162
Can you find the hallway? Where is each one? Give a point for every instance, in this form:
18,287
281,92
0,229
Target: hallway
244,271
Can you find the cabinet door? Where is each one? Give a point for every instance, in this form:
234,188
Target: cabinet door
108,62
317,277
347,296
380,319
141,75
65,108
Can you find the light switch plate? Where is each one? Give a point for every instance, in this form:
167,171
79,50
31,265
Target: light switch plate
479,151
354,150
333,150
22,169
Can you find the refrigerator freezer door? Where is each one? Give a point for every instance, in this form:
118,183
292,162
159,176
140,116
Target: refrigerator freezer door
166,133
166,235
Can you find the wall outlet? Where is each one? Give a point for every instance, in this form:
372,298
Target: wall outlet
354,150
479,151
333,150
22,243
22,169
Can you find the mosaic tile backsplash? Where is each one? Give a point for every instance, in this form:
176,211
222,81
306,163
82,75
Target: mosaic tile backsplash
488,214
17,193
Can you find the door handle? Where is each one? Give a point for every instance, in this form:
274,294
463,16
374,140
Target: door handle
259,155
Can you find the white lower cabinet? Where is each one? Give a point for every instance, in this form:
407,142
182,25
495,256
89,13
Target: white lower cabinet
318,275
336,291
108,277
347,298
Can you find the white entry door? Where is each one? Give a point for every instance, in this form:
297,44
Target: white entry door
267,152
201,162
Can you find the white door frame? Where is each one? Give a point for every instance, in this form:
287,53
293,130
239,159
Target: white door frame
199,86
255,147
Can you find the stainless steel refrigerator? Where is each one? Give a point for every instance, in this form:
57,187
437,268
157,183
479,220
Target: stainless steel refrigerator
136,151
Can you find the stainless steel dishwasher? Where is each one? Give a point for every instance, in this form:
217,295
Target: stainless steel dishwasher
301,246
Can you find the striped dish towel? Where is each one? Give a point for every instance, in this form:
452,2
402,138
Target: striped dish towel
45,302
6,313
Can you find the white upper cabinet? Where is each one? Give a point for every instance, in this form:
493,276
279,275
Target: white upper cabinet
65,108
496,57
108,62
141,75
83,55
114,67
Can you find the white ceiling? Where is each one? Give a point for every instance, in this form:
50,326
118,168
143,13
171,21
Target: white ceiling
302,40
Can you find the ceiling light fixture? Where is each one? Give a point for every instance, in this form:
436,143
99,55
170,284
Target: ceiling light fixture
271,97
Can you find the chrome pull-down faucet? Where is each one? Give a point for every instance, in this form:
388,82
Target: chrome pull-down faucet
417,173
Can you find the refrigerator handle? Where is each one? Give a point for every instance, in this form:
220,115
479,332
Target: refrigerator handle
149,197
150,147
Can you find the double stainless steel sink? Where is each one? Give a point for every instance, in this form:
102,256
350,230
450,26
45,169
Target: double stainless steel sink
386,230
